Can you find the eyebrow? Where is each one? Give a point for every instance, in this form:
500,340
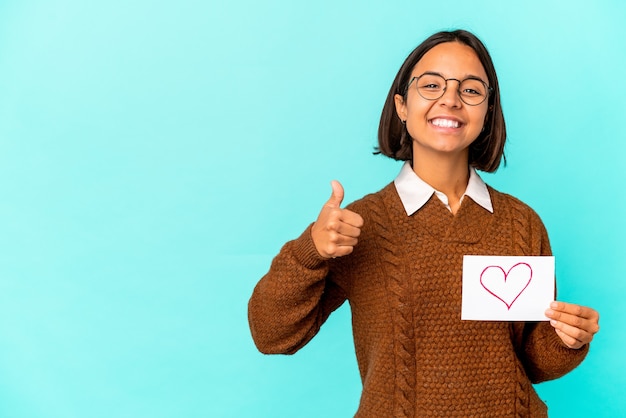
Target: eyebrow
467,77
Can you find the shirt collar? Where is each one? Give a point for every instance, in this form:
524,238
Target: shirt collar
415,192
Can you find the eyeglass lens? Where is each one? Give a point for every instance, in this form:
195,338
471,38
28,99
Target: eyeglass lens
471,91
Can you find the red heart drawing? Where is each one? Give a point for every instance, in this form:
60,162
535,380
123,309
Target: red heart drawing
506,286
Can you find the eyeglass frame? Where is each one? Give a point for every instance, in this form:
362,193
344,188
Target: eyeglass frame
443,91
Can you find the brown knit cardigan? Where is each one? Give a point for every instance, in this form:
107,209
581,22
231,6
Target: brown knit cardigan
417,358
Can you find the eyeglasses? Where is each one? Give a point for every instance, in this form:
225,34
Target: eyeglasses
431,86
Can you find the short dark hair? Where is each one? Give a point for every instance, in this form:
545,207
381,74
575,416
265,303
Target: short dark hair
486,152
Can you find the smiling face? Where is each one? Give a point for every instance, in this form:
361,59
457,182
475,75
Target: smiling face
445,126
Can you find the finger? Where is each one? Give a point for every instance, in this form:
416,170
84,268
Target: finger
578,310
344,241
573,327
337,195
336,238
568,341
575,315
572,333
588,325
348,230
352,218
339,249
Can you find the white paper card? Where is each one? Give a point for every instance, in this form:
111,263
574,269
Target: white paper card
507,288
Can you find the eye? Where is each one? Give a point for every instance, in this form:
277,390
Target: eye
431,82
471,87
430,85
472,92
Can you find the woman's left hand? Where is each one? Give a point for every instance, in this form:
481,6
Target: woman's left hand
575,324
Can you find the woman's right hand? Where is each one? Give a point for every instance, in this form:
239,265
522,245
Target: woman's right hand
336,231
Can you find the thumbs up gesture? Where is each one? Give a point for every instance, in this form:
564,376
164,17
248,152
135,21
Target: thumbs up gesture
336,231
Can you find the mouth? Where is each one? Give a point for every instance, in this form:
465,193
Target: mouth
445,123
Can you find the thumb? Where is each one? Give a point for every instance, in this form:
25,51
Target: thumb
337,196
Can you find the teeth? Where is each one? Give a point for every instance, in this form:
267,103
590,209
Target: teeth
445,123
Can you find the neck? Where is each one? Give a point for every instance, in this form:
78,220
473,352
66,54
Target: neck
447,175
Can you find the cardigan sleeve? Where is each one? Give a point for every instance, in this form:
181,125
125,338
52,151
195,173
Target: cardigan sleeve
543,353
292,301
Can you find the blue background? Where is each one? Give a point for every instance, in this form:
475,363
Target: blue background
155,156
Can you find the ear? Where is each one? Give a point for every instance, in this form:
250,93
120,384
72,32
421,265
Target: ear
401,110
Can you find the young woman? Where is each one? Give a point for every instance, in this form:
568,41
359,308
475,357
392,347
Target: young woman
397,255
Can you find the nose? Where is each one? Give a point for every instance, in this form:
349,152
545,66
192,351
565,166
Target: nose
451,96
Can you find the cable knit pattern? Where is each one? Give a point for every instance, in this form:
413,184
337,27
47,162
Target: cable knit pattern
404,344
403,282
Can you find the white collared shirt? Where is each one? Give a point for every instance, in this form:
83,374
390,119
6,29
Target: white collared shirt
415,192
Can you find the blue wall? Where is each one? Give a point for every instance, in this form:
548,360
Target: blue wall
154,156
